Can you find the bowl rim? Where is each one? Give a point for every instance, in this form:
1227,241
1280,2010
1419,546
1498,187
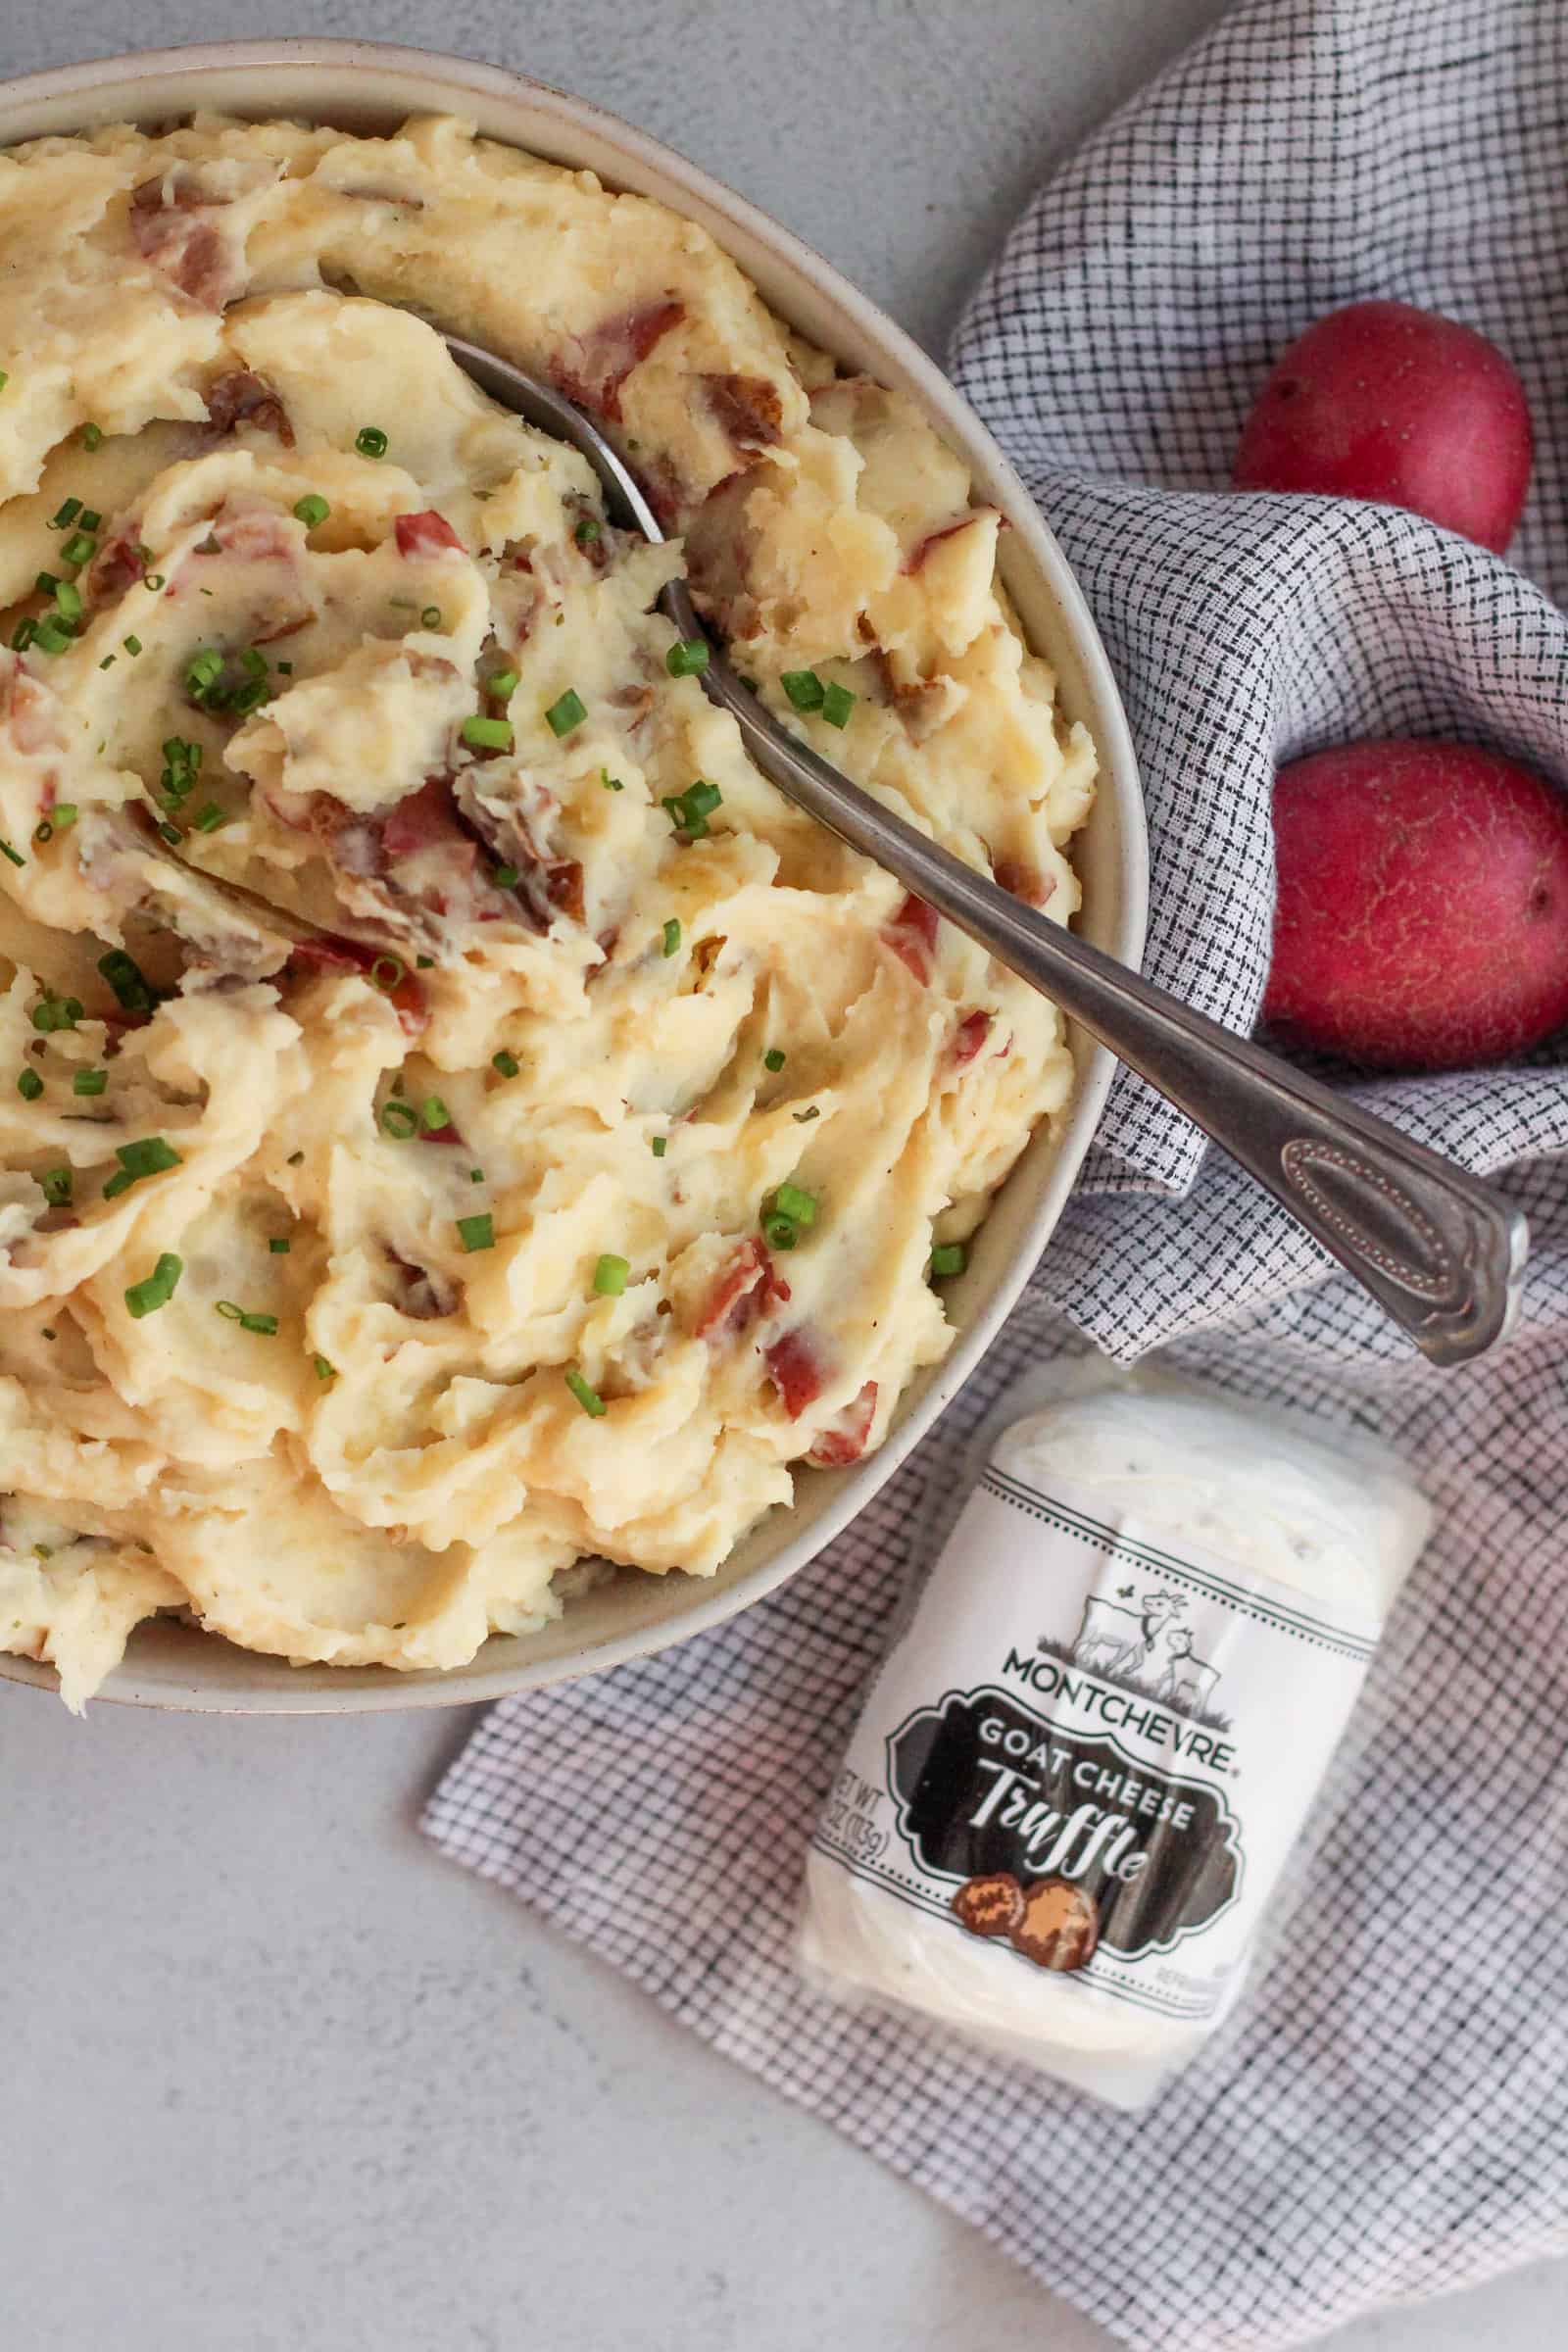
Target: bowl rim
450,80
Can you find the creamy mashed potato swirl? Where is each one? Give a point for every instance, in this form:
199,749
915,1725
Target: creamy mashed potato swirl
456,1120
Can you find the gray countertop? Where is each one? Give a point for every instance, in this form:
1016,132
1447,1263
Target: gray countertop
278,2077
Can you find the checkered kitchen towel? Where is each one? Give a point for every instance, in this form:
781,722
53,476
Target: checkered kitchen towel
1386,2117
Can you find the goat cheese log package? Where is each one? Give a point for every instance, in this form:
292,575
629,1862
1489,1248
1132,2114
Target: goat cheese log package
1078,1776
456,1120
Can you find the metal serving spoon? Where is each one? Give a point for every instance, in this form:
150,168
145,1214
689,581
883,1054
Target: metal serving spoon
1442,1253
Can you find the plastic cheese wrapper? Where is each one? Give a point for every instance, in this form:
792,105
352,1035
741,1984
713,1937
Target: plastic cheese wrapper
1077,1778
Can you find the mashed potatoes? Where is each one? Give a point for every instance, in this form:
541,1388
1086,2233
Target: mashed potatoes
456,1118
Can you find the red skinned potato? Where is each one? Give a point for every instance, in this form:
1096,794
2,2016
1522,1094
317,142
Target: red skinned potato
1422,919
1381,401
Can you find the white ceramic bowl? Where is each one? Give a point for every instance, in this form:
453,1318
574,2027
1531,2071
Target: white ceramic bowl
370,87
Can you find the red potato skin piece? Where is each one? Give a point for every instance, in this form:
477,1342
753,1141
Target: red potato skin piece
748,1286
845,1439
407,999
1422,919
912,936
426,534
970,1035
604,358
1382,401
797,1370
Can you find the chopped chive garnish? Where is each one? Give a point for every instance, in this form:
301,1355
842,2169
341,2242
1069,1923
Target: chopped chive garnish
228,1310
507,1064
90,519
611,783
66,514
949,1258
208,819
15,855
802,1116
4,379
487,734
146,1298
132,645
89,1082
56,1013
172,834
126,977
108,662
837,704
278,1246
154,580
68,600
253,661
62,815
570,712
502,684
659,1145
267,1325
689,810
324,1369
371,441
46,583
251,698
43,831
118,1182
92,436
30,1086
803,689
202,671
588,530
80,548
386,971
147,1157
434,1114
311,509
774,1058
430,616
57,1183
399,1119
425,963
779,1233
609,1276
507,877
793,1201
671,935
478,1231
22,635
51,636
593,1404
688,657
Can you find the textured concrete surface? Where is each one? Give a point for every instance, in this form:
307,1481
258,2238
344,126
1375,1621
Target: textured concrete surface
277,2079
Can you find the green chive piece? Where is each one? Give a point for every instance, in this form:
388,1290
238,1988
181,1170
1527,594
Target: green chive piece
779,1233
267,1325
46,583
89,1082
433,1114
253,661
659,1145
588,530
57,1186
507,877
203,670
251,698
837,704
118,1182
66,514
478,1231
949,1258
568,712
227,1309
611,783
172,834
279,1246
774,1058
148,1157
80,548
399,1120
324,1369
803,689
792,1202
62,815
476,1175
126,977
593,1404
108,662
90,519
51,636
425,963
92,436
15,855
68,600
132,645
311,509
30,1086
430,616
487,734
386,972
507,1064
154,580
3,379
690,810
688,657
371,441
210,818
146,1298
22,635
671,935
609,1276
503,684
43,831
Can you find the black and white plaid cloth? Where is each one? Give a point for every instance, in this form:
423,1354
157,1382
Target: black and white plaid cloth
1386,2117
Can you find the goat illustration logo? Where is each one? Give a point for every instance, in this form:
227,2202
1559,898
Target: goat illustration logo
1146,1648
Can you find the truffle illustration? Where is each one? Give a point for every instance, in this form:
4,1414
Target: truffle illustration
990,1906
1058,1925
